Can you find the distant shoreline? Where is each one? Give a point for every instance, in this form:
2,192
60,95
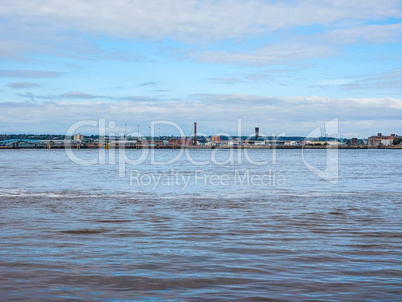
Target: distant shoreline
207,147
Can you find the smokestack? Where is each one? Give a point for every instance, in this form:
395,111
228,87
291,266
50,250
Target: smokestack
195,134
257,130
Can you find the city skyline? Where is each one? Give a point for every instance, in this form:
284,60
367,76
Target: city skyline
285,66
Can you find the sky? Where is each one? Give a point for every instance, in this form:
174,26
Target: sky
285,66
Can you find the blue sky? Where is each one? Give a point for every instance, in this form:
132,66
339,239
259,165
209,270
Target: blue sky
285,66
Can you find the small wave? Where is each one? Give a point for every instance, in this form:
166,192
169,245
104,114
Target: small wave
85,231
114,221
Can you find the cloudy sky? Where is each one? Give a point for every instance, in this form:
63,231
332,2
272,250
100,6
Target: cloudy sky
285,66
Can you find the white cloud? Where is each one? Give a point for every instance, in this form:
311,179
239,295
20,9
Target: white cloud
191,19
289,27
36,74
292,115
275,54
368,33
385,81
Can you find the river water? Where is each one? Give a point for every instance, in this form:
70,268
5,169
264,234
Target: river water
200,225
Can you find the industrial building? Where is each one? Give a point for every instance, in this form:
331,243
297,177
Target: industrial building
381,141
78,137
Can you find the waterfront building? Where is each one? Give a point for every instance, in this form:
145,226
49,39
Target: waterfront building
150,143
78,137
179,142
380,140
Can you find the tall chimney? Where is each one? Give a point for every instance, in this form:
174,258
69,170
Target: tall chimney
257,130
195,134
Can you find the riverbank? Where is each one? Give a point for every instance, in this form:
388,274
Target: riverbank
78,146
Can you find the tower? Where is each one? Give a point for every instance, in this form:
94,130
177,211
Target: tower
195,134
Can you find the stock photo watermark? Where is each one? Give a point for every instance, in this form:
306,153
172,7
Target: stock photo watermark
220,154
184,181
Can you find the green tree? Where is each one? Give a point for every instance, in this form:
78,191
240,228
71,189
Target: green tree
397,140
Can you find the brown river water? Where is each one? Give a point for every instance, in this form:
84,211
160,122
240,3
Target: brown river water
82,233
